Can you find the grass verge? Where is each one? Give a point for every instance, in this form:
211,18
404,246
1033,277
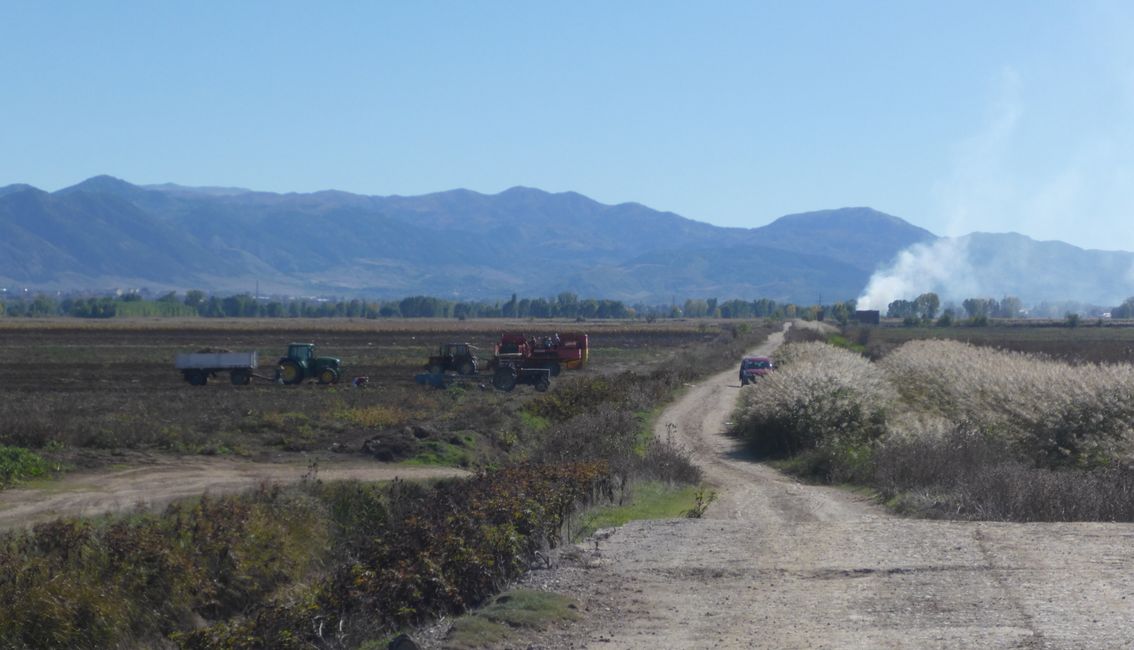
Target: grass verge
493,625
649,500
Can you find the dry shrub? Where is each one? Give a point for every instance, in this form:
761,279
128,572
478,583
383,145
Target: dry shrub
804,335
967,475
1052,413
666,460
976,433
820,397
608,433
27,425
126,582
914,460
1018,492
436,551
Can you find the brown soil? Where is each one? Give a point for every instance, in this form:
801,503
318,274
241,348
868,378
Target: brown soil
779,564
163,480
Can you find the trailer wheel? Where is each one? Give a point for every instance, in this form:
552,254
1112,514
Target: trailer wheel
543,384
436,369
467,368
240,377
290,372
328,376
197,377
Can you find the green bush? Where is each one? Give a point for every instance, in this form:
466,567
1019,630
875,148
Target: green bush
17,464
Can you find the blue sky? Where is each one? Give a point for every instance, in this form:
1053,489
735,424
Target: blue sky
957,116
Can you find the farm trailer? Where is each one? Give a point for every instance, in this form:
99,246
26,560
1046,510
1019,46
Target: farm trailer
198,367
299,365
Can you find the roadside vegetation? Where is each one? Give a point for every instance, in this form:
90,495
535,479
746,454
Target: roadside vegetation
18,464
949,429
1092,341
496,624
329,564
314,564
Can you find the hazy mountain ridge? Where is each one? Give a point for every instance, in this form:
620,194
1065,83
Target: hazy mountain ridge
458,243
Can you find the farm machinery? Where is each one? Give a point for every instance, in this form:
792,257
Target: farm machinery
508,374
553,353
456,357
299,365
517,359
198,367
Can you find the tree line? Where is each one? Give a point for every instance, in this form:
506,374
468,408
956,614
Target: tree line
567,305
927,307
923,308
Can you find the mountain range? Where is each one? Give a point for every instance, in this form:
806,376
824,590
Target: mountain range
106,233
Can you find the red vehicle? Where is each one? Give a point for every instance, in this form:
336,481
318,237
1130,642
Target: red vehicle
752,368
554,352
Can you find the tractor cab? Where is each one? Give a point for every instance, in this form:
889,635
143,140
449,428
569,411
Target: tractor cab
301,363
455,357
456,350
301,352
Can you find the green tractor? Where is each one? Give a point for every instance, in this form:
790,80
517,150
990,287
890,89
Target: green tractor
301,364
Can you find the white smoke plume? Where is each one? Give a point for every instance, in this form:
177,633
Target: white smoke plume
942,267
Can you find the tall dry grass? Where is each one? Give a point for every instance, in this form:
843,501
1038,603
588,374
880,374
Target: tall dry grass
1052,413
944,428
821,398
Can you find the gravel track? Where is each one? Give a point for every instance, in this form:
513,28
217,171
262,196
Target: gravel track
779,564
157,483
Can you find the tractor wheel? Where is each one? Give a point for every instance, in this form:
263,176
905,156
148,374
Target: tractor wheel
240,377
504,379
554,368
290,372
328,376
467,368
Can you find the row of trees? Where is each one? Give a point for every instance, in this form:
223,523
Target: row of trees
926,306
923,307
565,305
196,302
978,310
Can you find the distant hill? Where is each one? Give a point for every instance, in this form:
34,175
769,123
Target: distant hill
1015,265
859,237
106,233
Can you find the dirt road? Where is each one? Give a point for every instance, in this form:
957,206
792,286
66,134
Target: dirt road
779,564
160,482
